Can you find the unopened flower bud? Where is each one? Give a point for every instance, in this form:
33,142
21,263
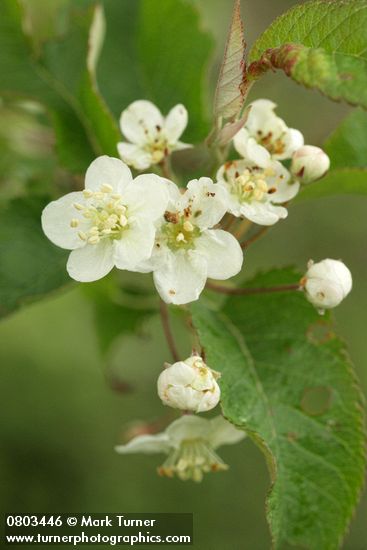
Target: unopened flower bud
189,385
327,283
309,163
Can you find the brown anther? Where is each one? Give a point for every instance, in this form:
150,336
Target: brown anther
158,128
303,282
171,217
172,292
272,190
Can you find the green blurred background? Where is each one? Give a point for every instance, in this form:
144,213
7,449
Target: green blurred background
61,418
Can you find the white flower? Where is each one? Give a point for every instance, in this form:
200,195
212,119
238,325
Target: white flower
187,250
266,136
190,443
151,136
252,191
110,223
327,283
309,163
189,385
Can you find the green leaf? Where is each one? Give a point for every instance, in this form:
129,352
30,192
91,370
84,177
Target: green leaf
320,44
56,74
287,380
30,265
347,181
347,151
156,51
346,146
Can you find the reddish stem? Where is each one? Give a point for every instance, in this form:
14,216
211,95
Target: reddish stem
167,330
251,290
255,237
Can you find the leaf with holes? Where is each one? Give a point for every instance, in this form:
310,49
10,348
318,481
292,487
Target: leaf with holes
287,380
320,44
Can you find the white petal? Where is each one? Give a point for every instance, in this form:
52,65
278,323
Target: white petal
207,201
233,204
181,397
285,191
263,213
222,252
181,277
187,427
134,155
135,245
175,123
176,200
56,218
261,113
90,263
140,120
146,444
240,141
251,151
223,432
324,294
147,196
332,270
293,140
107,170
178,374
257,154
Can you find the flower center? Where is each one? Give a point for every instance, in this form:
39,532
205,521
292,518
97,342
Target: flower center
275,145
192,460
105,212
250,185
157,146
179,232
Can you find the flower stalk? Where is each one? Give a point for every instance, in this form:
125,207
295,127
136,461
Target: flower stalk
163,308
255,290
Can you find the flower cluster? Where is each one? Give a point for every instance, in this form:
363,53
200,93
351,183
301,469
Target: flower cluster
182,235
149,224
258,183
